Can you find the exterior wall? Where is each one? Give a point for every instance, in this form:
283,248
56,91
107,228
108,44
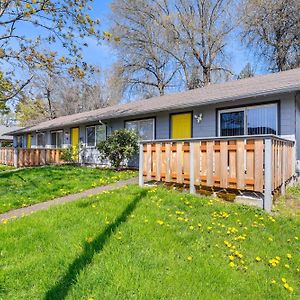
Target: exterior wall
289,123
297,104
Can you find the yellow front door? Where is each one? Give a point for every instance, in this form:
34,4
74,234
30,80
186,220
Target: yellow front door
75,142
181,125
28,141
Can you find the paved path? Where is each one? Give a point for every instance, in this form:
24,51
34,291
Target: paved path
16,213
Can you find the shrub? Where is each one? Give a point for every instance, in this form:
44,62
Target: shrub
118,147
70,154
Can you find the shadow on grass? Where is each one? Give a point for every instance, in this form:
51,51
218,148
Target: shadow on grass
61,289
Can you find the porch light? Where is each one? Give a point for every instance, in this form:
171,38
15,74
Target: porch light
199,117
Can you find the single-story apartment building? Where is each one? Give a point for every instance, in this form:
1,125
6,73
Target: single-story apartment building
265,104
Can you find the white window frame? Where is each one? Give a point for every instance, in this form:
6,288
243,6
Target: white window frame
139,120
86,136
40,146
245,109
56,131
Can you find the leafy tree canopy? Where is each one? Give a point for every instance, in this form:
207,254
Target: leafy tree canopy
31,29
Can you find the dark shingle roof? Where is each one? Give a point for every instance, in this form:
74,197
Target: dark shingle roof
263,85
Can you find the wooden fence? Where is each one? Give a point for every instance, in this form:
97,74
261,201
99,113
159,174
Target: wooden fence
242,163
7,156
29,157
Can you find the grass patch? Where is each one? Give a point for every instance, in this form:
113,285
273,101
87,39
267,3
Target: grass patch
5,168
29,186
289,205
138,243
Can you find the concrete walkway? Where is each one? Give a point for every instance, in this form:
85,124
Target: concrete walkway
20,212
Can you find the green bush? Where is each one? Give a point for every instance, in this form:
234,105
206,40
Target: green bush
118,147
70,154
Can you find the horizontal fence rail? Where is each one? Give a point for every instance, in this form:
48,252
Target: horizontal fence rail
29,157
229,163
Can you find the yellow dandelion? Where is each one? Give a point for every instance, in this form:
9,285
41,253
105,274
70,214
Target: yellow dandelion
283,280
231,257
189,258
258,258
287,266
273,281
289,255
191,227
160,222
231,264
270,239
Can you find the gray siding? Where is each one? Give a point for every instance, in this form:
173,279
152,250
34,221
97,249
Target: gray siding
289,122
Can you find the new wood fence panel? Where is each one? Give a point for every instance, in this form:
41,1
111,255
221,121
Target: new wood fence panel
233,163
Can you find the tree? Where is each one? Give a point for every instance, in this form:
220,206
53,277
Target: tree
5,90
29,28
203,26
119,147
246,72
271,29
30,112
144,66
51,96
172,44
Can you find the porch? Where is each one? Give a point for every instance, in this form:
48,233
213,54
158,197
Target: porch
260,164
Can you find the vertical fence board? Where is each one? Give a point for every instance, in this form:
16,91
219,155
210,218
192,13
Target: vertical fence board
210,162
259,165
240,164
179,158
224,164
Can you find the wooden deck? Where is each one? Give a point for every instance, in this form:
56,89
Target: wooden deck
242,163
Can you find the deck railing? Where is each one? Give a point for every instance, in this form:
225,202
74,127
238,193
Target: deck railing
7,156
29,157
252,163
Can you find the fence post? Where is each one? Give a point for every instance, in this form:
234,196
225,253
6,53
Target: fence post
141,165
192,169
268,198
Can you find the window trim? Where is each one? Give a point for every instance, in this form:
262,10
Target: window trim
144,119
86,136
245,109
56,131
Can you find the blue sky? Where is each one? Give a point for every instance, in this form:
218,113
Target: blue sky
103,55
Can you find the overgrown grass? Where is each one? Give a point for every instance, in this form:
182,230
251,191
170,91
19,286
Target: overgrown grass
28,186
135,243
5,168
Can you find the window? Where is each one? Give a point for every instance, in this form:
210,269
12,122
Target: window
144,128
20,141
40,140
252,120
95,134
57,138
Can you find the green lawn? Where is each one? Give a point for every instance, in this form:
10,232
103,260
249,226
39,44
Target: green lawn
5,168
138,243
289,204
28,186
